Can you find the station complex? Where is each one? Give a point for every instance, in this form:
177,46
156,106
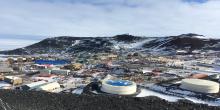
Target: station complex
113,74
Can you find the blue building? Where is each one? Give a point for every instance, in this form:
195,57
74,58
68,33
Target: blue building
52,62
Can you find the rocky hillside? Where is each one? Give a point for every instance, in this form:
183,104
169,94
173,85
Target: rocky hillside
24,100
185,42
69,45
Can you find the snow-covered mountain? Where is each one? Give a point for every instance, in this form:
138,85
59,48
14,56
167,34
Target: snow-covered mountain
70,45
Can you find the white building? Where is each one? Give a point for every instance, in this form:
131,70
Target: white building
49,87
60,72
33,85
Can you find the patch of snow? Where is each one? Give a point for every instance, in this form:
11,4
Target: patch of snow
145,92
76,42
200,37
3,59
179,94
146,69
182,92
137,45
95,92
155,87
195,100
164,41
74,80
77,91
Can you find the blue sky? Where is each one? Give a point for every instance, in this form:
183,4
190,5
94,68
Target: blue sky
24,22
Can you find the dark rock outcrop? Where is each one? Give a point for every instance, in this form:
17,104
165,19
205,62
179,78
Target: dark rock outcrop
29,100
69,45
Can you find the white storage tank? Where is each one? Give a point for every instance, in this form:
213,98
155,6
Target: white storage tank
199,85
120,87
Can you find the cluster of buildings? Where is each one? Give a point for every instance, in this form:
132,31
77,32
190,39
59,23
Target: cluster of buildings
128,72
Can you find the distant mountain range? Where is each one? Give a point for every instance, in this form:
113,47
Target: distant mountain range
71,45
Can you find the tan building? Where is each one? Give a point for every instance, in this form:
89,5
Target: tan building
13,80
77,66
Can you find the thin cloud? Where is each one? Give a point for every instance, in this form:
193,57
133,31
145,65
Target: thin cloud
109,17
